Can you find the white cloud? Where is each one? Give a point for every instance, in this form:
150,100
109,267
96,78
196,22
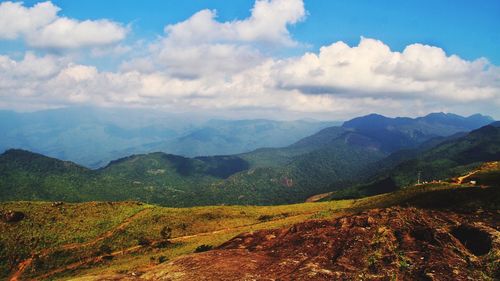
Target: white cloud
268,23
202,64
69,33
40,27
338,82
201,45
371,69
17,20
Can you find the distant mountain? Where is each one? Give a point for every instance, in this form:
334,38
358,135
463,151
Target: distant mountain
397,133
223,137
332,159
375,135
94,136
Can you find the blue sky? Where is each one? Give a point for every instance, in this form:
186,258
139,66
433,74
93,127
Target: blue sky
467,28
178,55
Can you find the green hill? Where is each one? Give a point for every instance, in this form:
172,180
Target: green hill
157,178
330,160
453,157
450,158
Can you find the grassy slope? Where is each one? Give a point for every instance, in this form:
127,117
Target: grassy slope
51,227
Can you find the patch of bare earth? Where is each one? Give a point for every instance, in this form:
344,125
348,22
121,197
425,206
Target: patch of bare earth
380,244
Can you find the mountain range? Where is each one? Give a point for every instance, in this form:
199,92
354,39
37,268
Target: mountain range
94,136
334,158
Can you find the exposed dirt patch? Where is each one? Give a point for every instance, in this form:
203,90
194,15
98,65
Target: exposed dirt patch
380,244
477,241
317,197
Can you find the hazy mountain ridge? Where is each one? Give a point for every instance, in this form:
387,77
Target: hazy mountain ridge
328,160
94,136
403,132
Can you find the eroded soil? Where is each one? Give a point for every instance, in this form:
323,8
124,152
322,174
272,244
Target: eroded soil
380,244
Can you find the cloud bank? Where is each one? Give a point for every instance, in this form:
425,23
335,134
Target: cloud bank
202,64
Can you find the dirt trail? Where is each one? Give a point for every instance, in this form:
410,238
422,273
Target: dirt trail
318,197
90,260
462,178
106,234
21,268
26,263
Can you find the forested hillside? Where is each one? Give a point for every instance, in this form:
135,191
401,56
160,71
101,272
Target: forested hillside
333,159
447,159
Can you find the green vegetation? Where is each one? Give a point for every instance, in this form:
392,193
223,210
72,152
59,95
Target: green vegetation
331,160
133,235
100,228
298,172
452,158
447,160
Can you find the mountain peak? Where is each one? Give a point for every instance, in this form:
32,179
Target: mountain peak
479,116
18,152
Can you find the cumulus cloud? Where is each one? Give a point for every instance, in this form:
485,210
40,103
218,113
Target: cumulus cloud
202,64
268,22
41,27
371,69
201,45
338,82
212,64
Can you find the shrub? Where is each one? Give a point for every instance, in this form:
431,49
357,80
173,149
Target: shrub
265,218
143,241
162,244
105,250
203,248
166,232
162,259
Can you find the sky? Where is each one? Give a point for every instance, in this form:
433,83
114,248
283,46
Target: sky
279,59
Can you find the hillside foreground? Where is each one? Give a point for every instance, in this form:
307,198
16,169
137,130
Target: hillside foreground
350,239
